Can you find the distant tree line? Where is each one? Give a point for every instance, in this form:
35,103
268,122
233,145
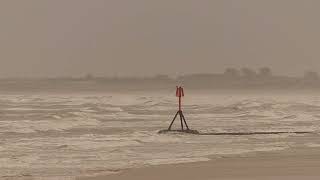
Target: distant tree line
230,78
229,73
264,72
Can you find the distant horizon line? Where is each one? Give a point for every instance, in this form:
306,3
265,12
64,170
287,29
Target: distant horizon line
137,77
239,71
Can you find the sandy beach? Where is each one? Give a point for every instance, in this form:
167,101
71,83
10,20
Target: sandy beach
293,164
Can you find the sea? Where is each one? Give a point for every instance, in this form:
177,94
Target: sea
68,135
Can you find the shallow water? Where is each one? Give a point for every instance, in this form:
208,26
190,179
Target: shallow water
60,136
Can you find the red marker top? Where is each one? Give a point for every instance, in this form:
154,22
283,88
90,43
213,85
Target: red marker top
179,93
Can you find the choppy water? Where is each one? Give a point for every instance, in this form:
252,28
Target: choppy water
60,136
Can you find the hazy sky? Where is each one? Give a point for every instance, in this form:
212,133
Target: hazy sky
146,37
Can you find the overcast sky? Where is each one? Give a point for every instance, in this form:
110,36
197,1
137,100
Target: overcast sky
146,37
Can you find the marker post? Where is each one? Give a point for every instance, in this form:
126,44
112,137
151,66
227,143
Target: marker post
180,94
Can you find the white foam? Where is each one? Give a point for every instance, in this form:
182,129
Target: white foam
313,145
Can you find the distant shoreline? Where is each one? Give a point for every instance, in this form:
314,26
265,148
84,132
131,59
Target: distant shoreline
216,82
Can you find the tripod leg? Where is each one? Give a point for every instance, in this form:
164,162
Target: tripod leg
173,121
181,120
184,119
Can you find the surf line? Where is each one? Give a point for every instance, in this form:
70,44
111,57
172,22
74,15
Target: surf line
183,122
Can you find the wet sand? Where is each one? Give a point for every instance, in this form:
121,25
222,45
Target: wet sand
291,164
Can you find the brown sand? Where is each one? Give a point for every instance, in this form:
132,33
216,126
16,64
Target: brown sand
299,164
